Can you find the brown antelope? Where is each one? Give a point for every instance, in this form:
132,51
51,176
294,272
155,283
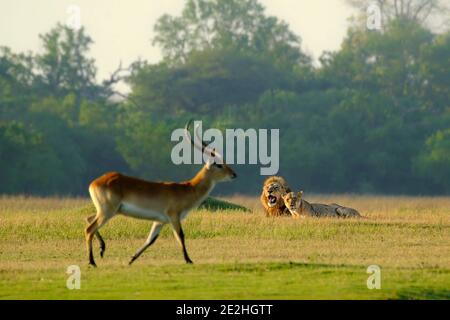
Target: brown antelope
161,202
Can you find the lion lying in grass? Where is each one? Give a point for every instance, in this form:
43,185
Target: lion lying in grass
271,197
278,200
299,207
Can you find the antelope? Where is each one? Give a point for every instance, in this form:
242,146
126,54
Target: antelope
161,202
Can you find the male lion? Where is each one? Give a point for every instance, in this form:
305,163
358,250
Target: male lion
299,207
271,196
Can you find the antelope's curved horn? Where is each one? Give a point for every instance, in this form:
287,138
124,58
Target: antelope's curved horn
186,132
212,152
203,146
188,136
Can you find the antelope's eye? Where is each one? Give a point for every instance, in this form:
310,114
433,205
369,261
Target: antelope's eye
219,166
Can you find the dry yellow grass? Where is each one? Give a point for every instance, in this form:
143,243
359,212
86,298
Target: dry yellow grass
39,235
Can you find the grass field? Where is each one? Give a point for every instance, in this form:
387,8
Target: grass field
237,255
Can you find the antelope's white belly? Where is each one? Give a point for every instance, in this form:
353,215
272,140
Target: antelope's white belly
134,211
184,214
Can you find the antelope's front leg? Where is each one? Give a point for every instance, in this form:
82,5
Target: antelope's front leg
179,235
154,233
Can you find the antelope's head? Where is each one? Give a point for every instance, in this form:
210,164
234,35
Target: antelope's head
215,167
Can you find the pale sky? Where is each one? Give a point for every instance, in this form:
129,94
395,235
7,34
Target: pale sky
122,30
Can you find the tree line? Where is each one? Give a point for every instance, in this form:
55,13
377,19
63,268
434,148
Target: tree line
374,117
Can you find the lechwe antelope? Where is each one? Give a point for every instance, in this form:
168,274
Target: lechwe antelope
162,202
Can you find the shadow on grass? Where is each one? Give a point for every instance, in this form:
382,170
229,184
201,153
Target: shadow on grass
416,293
252,267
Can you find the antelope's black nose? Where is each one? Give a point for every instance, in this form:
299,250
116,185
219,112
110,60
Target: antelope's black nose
234,176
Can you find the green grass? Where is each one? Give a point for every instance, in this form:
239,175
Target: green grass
237,254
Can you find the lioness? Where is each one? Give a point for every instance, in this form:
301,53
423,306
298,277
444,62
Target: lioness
271,196
299,207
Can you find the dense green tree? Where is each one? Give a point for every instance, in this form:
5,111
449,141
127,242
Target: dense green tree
434,160
374,117
220,24
434,72
207,82
64,66
55,118
17,81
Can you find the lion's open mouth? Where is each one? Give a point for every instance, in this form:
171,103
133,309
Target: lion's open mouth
272,200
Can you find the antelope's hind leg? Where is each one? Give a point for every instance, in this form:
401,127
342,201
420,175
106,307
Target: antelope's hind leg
99,237
96,224
179,235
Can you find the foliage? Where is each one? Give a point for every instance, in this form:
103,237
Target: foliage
373,118
221,24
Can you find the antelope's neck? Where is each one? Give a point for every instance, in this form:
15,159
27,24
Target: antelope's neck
202,183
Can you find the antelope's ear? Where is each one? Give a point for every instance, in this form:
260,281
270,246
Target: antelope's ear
300,194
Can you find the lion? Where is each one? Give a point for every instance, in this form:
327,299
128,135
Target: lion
271,196
300,208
